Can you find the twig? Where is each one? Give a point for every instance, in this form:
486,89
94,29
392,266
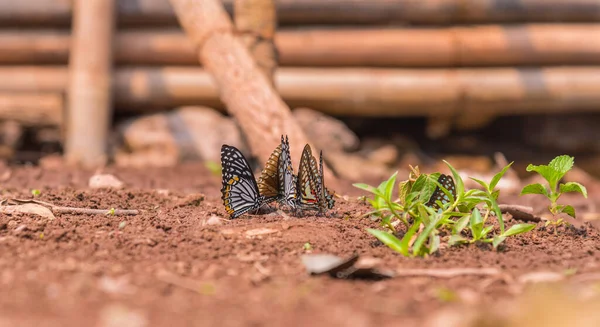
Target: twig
448,273
520,212
74,210
87,211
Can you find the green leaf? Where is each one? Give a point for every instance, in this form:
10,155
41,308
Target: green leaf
495,194
518,229
573,187
424,186
409,234
456,239
562,164
480,182
498,240
486,230
423,214
403,190
535,189
498,176
389,187
498,213
425,234
569,210
460,185
461,224
367,188
390,240
476,224
551,175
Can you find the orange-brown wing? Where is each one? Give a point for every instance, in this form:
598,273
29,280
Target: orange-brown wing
268,182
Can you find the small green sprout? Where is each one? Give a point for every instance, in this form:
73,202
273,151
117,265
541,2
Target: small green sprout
207,289
213,167
307,247
111,212
553,173
35,193
446,295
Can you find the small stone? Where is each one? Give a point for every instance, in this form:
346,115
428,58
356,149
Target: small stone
214,220
104,181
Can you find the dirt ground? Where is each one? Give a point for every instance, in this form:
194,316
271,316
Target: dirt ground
170,266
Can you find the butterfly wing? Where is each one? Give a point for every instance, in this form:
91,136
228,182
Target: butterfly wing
287,180
326,199
307,189
438,195
268,182
239,191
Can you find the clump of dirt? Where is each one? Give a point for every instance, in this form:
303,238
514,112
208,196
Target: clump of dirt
181,261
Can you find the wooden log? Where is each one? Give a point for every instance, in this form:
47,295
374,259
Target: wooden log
158,12
32,109
496,45
89,90
246,91
255,23
352,91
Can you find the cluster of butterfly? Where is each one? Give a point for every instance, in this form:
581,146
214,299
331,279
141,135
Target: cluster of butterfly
241,192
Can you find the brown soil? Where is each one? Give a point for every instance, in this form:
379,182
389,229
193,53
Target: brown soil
169,267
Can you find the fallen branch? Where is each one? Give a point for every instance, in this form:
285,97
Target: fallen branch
448,273
75,210
520,212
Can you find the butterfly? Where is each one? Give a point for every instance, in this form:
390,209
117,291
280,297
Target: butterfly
239,190
308,181
326,200
311,191
268,182
438,195
287,179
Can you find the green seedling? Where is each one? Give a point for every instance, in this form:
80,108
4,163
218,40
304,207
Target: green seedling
110,212
458,214
553,173
213,167
307,247
35,193
482,233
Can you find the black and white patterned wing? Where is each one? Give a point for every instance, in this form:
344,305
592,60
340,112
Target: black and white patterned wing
239,189
287,180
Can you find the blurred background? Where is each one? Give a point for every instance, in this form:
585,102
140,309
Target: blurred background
380,84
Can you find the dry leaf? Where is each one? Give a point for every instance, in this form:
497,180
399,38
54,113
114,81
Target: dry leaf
30,208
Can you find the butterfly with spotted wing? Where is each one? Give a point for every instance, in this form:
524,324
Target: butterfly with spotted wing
438,195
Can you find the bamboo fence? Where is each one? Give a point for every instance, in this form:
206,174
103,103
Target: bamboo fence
343,57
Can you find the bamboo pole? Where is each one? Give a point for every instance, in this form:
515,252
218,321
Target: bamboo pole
32,109
255,23
89,89
158,12
246,91
352,92
495,45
